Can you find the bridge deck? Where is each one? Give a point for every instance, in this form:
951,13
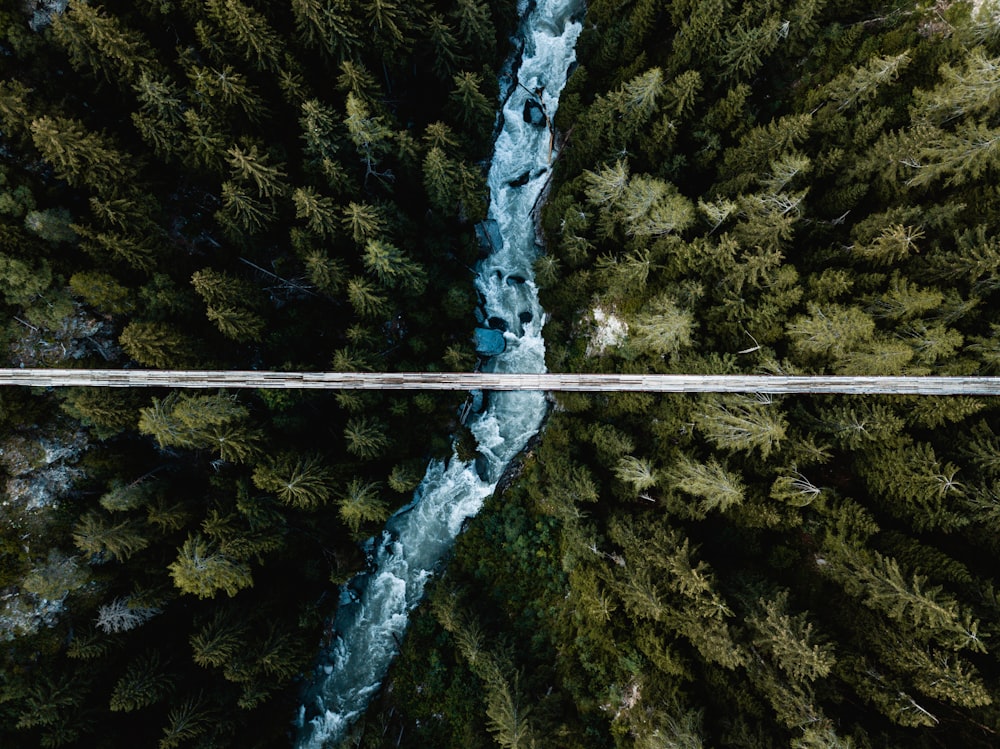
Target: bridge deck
487,381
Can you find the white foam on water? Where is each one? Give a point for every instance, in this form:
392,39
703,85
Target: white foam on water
372,615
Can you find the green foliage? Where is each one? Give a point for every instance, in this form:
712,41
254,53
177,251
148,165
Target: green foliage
365,437
710,483
217,422
305,482
203,569
155,345
100,536
786,188
362,502
143,684
224,185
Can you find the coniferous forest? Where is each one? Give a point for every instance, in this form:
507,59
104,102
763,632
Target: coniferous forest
770,186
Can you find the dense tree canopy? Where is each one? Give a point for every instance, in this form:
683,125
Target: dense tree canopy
793,186
233,184
764,187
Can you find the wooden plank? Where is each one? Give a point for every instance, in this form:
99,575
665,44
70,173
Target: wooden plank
489,381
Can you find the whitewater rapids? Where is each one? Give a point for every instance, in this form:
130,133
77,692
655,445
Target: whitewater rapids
374,607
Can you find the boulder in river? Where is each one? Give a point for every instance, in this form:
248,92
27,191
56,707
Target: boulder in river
489,342
520,181
497,323
525,317
488,235
513,280
534,114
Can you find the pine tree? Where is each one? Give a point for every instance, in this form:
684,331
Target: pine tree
366,300
15,111
318,210
249,165
916,485
608,185
100,43
221,89
925,613
144,683
186,721
219,640
345,31
103,292
244,211
324,272
48,700
638,473
310,22
759,147
859,421
957,157
661,329
139,253
201,569
237,323
861,84
81,157
964,91
795,489
446,57
322,142
191,421
97,535
365,437
743,425
162,99
790,640
830,331
890,247
439,181
123,615
389,25
364,222
474,26
206,142
356,79
249,31
156,345
682,92
710,482
746,48
639,98
304,482
220,289
392,267
361,502
474,110
508,715
369,133
652,208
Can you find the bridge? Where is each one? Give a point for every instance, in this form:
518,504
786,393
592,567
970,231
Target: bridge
582,383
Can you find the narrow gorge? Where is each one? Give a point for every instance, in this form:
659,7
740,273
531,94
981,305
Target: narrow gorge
373,609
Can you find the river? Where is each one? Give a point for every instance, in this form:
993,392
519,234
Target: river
372,614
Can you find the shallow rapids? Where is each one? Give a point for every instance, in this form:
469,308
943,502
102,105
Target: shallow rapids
373,610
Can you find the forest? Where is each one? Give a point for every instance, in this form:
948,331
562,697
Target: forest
230,185
770,186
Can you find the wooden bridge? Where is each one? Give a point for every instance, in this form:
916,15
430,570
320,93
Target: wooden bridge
587,383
